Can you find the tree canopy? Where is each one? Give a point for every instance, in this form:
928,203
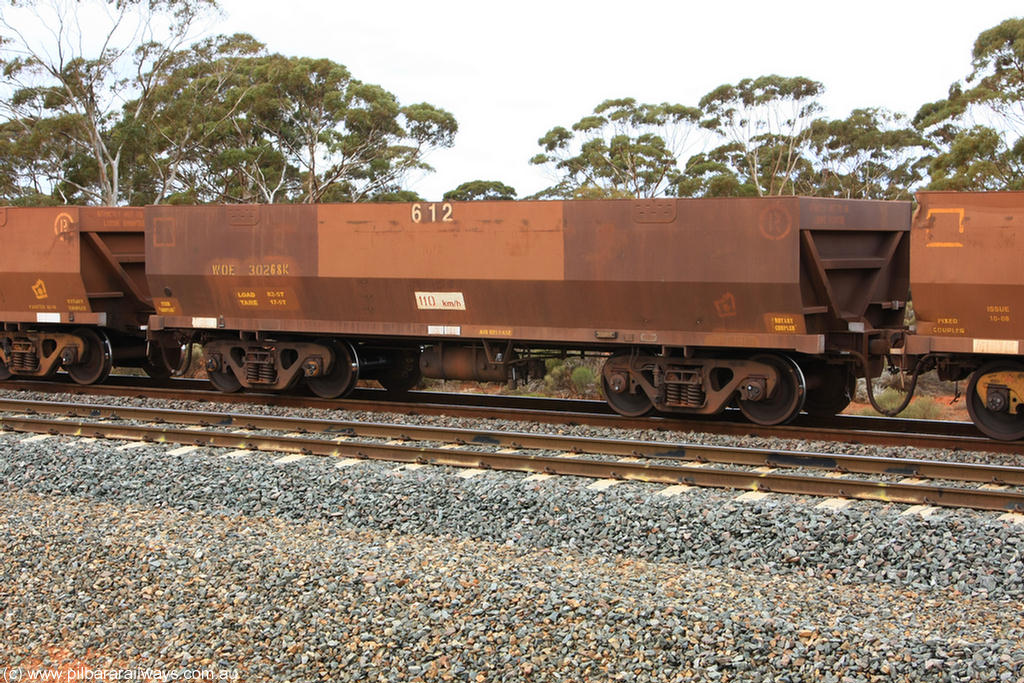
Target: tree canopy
871,154
480,189
153,115
765,123
761,136
977,129
70,101
623,149
139,109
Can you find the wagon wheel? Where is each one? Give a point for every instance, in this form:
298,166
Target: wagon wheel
162,361
5,373
834,387
788,398
1002,425
97,360
616,385
343,375
402,374
224,380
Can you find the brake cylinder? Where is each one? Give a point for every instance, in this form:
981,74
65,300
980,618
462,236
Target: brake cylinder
467,363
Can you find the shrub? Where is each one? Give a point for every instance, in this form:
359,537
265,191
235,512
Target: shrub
573,377
583,379
921,408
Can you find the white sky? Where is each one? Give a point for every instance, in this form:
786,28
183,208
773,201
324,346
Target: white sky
510,71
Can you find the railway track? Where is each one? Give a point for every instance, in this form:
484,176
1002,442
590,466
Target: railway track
898,480
878,431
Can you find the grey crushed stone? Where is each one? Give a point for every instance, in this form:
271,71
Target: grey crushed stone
281,599
310,572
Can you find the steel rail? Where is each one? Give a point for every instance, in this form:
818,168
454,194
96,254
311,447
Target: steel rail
121,384
755,457
843,428
1002,500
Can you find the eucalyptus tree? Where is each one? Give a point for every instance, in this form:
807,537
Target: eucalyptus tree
343,139
871,154
234,124
623,149
192,144
480,189
979,126
142,111
978,158
69,68
765,125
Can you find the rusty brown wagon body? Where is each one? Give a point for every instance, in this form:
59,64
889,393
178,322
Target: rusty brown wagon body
772,304
73,290
685,292
967,283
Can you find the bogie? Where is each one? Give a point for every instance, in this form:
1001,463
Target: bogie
995,399
769,388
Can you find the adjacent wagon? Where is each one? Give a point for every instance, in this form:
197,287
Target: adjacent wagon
73,292
967,281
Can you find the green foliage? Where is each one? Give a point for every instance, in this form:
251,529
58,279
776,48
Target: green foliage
190,142
869,155
155,116
217,120
557,378
480,189
624,149
583,379
396,196
712,174
978,159
921,408
766,124
998,61
301,129
978,127
573,377
67,105
762,136
775,142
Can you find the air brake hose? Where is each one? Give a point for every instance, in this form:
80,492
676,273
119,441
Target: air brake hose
871,389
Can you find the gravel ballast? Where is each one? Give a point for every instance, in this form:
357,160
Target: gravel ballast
307,571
